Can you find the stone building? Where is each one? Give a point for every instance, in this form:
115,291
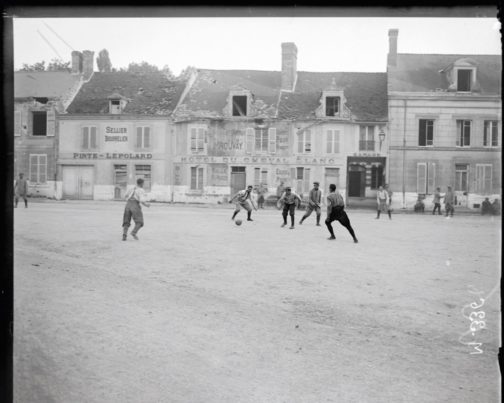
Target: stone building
38,97
445,125
118,129
235,128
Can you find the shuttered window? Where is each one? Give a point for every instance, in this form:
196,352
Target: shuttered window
143,139
484,178
144,172
197,140
17,123
89,140
332,141
196,178
38,168
463,133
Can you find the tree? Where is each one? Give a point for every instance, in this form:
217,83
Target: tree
169,74
40,66
186,73
58,65
142,67
103,61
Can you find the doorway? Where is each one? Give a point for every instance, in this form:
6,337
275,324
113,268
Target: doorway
78,182
238,179
120,181
356,181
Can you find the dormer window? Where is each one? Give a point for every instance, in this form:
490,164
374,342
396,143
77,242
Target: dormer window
117,103
332,106
240,105
115,106
464,80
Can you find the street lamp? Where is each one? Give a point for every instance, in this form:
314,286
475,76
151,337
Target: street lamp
381,136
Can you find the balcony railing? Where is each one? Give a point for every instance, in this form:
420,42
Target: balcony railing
366,145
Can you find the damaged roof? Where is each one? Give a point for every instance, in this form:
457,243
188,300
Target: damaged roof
208,95
422,72
146,93
43,84
365,93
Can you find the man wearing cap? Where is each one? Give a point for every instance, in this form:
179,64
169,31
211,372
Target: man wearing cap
243,200
289,199
314,201
336,212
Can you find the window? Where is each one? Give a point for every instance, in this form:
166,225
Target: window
304,142
484,178
490,135
426,132
332,141
366,138
38,168
89,138
464,80
426,177
143,139
463,133
261,140
39,123
144,172
376,176
461,177
239,105
197,141
260,176
332,106
196,178
302,180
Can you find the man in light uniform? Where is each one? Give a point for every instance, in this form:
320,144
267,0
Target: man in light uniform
314,201
336,212
21,190
135,197
288,200
244,200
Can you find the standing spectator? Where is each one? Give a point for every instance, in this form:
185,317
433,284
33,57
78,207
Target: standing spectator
314,200
289,200
21,190
496,207
135,197
261,191
336,212
486,207
243,200
382,202
449,200
389,204
437,201
280,189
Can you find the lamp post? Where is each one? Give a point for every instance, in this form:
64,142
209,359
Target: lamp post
381,136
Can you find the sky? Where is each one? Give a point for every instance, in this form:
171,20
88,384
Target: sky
324,44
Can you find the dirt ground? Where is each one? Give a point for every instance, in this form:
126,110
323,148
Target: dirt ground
202,310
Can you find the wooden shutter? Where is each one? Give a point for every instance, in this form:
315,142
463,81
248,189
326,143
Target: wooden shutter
431,178
272,139
421,177
249,140
459,132
51,122
293,178
306,180
139,137
42,168
85,138
24,120
92,137
336,141
17,123
147,137
33,168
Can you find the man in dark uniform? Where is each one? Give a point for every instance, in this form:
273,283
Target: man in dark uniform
21,190
135,197
336,212
314,200
288,199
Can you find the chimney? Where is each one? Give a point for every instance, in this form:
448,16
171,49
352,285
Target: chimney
76,62
289,66
87,63
392,55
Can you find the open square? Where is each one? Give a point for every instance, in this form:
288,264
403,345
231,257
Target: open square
202,310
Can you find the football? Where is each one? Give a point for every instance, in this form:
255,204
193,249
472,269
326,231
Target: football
238,222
